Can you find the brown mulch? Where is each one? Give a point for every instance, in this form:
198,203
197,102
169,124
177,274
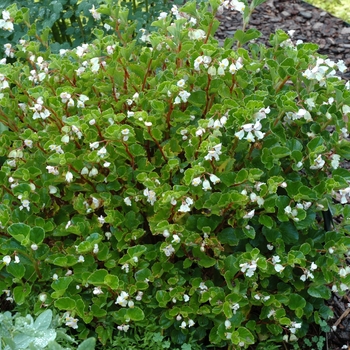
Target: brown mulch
310,23
332,34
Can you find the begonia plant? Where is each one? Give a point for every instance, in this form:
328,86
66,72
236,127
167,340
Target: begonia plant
163,181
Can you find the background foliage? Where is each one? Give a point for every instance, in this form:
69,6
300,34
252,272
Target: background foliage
68,23
338,8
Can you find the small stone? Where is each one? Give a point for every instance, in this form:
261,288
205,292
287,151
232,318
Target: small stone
331,41
345,30
306,14
322,43
285,14
317,26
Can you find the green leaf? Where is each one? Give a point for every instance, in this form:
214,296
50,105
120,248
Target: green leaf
87,344
20,293
266,221
280,151
197,98
62,283
343,148
245,335
37,234
20,232
112,281
228,236
97,278
319,291
65,303
135,314
289,233
16,270
296,301
241,176
243,37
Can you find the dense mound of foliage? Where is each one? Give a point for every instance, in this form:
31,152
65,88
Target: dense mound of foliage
161,183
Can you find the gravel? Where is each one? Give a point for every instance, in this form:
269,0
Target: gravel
310,23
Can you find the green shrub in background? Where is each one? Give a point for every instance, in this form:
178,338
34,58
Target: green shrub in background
164,184
338,8
70,23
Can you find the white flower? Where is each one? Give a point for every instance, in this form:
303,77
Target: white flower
176,239
313,266
276,259
196,181
310,102
55,277
294,326
81,259
97,291
249,268
69,176
214,153
162,15
279,267
335,161
184,95
72,322
125,267
101,219
341,66
214,179
93,172
6,260
318,163
28,143
169,250
191,323
94,13
123,327
227,324
212,71
206,185
84,171
102,152
197,34
94,145
127,201
95,250
181,83
183,325
185,206
34,246
139,296
249,215
151,196
122,299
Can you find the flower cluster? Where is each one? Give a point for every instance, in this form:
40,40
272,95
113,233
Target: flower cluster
6,21
205,183
231,5
324,69
249,267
